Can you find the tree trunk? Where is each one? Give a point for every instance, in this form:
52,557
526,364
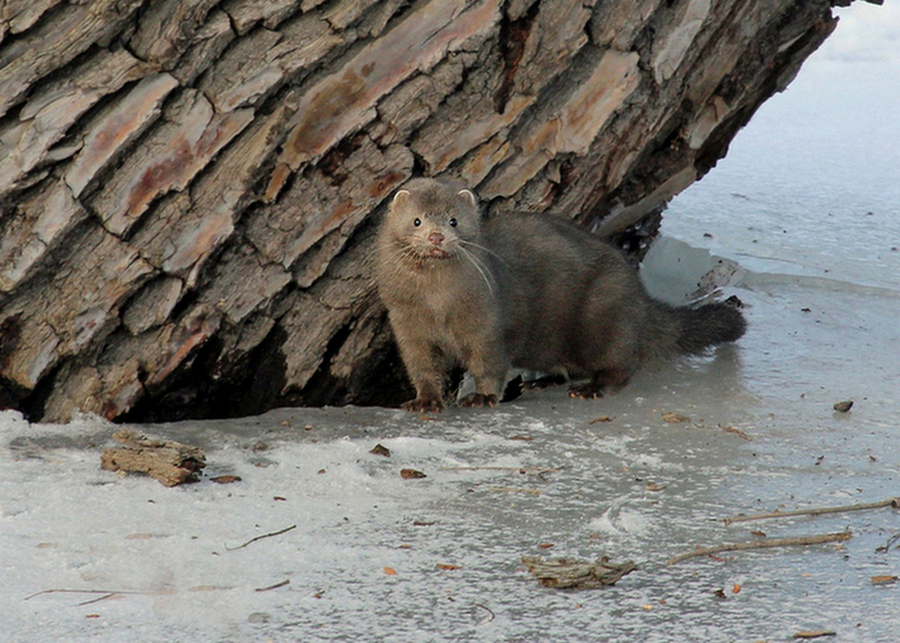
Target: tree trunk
190,188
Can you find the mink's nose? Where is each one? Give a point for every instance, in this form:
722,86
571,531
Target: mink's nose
436,238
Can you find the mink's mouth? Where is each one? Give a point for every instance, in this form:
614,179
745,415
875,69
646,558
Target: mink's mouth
438,253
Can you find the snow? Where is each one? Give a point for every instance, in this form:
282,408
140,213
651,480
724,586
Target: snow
156,564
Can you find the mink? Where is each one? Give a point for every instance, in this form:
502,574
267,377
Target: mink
526,290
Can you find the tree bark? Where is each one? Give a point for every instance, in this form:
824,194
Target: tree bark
189,188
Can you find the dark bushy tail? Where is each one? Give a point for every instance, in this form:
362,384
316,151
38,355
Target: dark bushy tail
696,329
709,325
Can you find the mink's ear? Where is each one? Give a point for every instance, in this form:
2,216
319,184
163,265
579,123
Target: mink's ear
468,197
400,200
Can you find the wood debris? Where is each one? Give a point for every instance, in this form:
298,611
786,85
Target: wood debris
813,634
533,492
169,462
843,407
521,470
103,593
885,579
567,573
226,479
283,583
816,511
269,535
674,418
763,544
737,432
380,449
883,549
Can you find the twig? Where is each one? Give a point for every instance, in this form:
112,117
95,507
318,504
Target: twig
96,600
490,616
534,492
890,502
275,586
890,543
107,593
763,544
253,540
525,469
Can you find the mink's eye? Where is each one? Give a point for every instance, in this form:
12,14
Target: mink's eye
452,222
417,222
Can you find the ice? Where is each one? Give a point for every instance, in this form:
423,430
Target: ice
170,565
591,478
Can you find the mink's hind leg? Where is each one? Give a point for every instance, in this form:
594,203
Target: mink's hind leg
604,381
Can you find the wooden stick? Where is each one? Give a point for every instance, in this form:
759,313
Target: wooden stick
890,543
525,469
534,492
890,502
96,600
763,544
253,540
275,586
106,592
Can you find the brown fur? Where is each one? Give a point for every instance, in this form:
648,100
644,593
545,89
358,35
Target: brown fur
527,290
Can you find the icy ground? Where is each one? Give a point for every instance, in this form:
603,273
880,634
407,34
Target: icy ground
363,560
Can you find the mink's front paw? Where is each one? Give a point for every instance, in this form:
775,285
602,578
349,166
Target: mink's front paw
478,400
424,405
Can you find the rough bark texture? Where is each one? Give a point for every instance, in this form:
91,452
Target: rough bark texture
189,188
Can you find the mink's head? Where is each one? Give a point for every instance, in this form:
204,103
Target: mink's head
431,221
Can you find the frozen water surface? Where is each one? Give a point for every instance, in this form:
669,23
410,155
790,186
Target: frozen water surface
634,487
819,277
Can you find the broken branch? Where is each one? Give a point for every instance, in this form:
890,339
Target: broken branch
283,583
517,469
763,544
890,502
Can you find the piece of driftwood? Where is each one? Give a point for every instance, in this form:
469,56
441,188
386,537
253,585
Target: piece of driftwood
169,462
569,573
763,544
816,511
